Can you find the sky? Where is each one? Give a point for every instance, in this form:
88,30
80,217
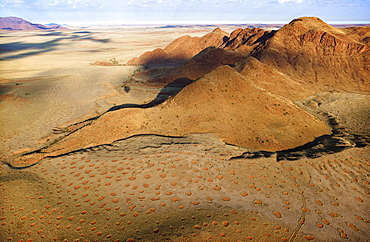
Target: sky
87,12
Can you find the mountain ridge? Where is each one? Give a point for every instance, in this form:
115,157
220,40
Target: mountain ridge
307,50
15,23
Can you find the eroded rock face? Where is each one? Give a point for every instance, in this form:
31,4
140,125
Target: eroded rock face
186,47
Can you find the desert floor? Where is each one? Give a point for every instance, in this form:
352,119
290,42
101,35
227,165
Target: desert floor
148,187
47,78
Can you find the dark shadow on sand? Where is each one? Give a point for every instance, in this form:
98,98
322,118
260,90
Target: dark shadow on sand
169,90
339,140
53,33
166,92
180,140
47,46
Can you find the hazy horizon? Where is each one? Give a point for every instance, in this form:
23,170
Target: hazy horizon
163,23
94,12
89,23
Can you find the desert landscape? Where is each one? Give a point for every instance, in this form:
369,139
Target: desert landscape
185,133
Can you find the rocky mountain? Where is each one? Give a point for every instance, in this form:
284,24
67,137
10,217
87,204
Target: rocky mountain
240,87
309,50
307,53
186,47
181,49
14,23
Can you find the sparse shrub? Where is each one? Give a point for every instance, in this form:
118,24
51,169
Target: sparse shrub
115,62
126,88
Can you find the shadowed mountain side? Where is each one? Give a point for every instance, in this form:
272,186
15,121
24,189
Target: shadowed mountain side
312,51
201,64
181,49
245,39
157,56
222,102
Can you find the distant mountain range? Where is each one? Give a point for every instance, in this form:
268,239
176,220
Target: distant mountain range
14,23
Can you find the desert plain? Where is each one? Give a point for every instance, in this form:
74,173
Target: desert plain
65,92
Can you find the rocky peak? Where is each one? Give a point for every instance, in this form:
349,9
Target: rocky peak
305,24
218,30
312,51
245,37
